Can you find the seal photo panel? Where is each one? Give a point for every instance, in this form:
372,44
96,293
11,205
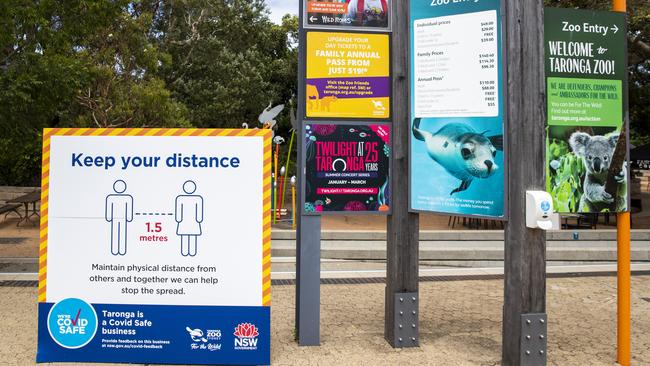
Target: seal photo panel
458,139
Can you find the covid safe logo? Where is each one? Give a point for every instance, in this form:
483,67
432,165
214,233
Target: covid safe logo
246,336
72,323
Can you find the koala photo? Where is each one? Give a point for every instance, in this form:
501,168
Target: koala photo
596,153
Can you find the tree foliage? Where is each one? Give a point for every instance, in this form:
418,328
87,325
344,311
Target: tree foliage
164,63
122,63
76,64
228,60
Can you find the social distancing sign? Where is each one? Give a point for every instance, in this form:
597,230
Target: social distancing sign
155,246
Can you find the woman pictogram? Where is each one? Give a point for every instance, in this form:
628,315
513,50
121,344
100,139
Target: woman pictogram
189,216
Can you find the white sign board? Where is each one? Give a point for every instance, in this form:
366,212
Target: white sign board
456,65
174,221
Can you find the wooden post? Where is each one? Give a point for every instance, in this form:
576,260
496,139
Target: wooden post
525,249
403,227
624,271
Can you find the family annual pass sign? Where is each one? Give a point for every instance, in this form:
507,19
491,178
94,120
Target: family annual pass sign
348,75
155,246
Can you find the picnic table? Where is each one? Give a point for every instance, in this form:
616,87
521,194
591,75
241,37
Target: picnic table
26,199
9,208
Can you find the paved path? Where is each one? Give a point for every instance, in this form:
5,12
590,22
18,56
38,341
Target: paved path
461,324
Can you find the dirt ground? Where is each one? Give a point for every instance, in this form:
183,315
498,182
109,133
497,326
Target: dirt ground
460,324
18,242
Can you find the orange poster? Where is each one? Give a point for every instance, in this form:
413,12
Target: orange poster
369,14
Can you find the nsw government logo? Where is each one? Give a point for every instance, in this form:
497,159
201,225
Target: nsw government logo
72,323
246,337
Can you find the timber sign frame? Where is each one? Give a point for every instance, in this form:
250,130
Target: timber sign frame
504,125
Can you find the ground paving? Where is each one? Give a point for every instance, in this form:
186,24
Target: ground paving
460,324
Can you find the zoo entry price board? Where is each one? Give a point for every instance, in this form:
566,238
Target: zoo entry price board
447,74
457,141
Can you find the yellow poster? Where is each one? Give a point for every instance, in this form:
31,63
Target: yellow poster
348,75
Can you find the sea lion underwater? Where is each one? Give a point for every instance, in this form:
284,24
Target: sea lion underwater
463,152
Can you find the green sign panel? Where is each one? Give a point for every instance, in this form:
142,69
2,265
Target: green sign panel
584,101
586,64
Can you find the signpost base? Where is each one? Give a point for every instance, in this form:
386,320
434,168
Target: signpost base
308,281
406,315
533,339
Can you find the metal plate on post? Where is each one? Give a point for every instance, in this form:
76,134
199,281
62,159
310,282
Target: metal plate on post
533,339
406,320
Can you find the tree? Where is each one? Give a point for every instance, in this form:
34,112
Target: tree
639,46
77,64
164,63
228,60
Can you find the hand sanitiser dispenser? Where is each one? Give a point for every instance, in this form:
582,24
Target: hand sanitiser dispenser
539,211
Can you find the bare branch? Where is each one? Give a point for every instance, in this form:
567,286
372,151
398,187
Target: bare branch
641,48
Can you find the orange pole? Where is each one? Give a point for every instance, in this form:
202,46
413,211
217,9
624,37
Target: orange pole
624,292
624,335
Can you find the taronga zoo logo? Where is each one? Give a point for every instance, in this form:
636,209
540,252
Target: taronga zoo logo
202,340
246,337
196,335
72,323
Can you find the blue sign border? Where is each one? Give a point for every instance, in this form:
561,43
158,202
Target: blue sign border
166,334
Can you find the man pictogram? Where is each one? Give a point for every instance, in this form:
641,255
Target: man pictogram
119,212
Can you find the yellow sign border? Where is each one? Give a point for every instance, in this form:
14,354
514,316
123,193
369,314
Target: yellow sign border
158,132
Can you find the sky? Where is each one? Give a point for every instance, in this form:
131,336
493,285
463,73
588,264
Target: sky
280,7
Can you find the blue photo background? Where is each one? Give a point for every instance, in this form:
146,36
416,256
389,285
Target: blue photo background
431,184
429,179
